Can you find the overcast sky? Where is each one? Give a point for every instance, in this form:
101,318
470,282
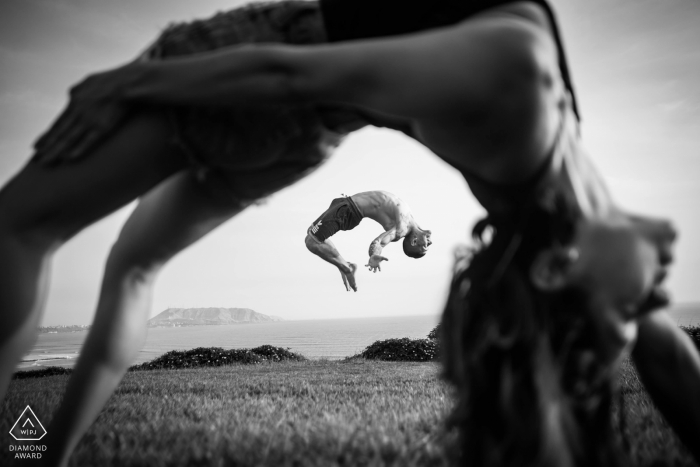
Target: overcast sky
636,68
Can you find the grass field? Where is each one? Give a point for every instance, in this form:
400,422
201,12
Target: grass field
316,413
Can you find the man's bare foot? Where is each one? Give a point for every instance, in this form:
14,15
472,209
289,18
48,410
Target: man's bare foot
349,276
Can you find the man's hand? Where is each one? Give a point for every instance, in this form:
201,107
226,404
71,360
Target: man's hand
374,261
94,111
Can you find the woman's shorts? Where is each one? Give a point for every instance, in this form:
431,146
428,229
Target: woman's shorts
249,153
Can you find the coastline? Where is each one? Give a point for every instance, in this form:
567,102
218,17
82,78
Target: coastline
331,339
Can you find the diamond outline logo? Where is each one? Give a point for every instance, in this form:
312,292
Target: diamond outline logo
28,419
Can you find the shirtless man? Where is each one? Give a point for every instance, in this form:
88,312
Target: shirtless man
345,213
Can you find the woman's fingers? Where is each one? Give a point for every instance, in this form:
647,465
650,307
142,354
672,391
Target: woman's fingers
68,140
87,143
76,133
54,153
64,123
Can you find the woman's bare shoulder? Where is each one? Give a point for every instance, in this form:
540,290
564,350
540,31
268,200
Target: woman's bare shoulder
510,133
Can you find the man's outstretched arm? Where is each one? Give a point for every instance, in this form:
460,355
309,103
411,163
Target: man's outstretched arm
376,247
669,366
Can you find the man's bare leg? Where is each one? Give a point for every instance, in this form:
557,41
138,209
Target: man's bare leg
329,253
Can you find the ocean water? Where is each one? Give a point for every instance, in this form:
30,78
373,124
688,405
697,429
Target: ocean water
315,339
686,315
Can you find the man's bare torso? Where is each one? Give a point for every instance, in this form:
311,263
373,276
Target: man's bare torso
385,208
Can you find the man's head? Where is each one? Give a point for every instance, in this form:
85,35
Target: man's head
416,243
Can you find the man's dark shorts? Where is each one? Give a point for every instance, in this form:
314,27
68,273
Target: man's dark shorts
342,214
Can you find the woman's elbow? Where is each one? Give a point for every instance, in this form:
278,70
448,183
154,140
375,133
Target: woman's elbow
266,74
297,82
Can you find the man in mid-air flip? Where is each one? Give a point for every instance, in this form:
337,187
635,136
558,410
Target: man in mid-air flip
345,213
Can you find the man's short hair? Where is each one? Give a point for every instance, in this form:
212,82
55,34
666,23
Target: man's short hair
410,250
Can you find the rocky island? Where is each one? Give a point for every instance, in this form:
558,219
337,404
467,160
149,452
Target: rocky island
177,317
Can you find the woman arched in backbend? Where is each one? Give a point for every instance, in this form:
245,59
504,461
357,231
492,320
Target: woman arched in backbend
491,97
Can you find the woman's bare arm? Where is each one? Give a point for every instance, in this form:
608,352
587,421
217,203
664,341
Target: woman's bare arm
433,74
484,69
669,366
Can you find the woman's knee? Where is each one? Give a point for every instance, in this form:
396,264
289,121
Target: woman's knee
131,271
133,264
33,208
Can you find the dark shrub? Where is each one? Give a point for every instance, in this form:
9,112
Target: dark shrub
276,354
199,357
216,356
402,350
48,371
435,333
194,358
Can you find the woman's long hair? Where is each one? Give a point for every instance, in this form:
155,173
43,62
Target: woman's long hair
530,391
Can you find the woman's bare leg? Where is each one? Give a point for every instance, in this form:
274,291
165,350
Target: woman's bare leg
167,220
43,207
